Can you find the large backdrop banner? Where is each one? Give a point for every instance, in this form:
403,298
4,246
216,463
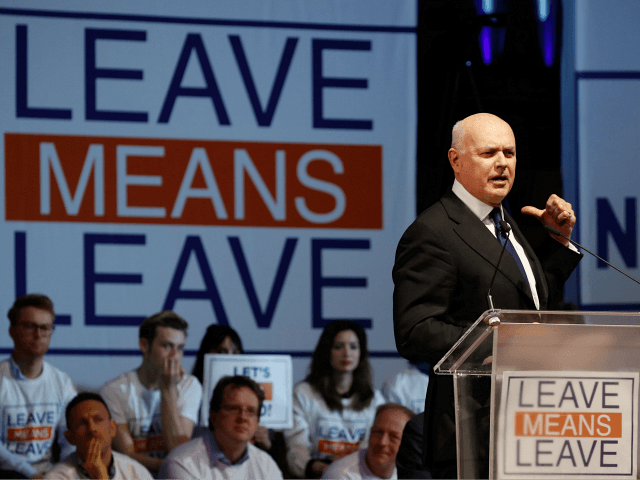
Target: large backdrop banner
246,163
605,79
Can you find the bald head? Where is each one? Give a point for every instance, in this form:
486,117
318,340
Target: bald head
483,156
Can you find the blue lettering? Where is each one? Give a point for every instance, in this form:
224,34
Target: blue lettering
519,463
91,278
541,452
520,398
541,393
321,82
564,397
194,43
22,98
318,282
566,446
263,117
92,74
587,461
193,244
627,242
605,395
263,318
584,395
20,269
603,452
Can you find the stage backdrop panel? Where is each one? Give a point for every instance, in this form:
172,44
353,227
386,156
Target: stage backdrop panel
244,163
601,126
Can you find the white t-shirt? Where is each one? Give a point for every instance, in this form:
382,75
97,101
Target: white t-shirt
352,467
132,404
125,467
201,458
320,433
408,388
32,413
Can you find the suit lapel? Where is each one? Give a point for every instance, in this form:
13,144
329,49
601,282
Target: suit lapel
475,234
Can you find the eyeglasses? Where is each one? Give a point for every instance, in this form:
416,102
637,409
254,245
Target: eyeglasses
237,410
45,330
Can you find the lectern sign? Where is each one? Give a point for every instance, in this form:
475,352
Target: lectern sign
568,425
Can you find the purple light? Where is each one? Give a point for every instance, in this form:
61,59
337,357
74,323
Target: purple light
485,45
547,43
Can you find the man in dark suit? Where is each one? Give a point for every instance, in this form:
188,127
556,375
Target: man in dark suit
446,259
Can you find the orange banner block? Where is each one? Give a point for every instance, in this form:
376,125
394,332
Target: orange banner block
268,390
27,434
61,178
568,424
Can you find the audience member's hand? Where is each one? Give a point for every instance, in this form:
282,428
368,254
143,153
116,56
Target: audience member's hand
557,214
93,463
261,438
172,373
318,467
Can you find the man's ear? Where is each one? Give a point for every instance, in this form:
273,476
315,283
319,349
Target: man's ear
68,434
144,345
212,419
114,429
454,159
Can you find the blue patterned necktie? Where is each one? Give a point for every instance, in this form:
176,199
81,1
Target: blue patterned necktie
496,216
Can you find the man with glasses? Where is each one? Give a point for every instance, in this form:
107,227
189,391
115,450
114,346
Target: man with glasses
225,450
33,393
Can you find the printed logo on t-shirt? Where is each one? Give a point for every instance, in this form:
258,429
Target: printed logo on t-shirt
337,448
337,437
149,444
147,435
29,429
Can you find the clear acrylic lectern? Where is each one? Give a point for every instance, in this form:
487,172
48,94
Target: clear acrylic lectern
535,341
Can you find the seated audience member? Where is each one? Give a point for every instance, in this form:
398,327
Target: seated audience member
378,460
155,406
91,430
334,408
410,460
408,387
226,451
33,393
217,339
223,339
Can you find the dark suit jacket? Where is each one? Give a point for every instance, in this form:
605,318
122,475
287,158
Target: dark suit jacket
444,264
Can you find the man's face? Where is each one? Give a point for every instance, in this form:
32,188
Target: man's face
32,333
167,344
486,165
89,420
237,420
385,437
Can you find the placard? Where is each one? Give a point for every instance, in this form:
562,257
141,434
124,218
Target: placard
568,425
272,372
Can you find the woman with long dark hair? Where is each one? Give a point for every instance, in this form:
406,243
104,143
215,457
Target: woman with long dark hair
334,407
217,339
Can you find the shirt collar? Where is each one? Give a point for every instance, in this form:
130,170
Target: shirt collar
15,370
217,455
478,207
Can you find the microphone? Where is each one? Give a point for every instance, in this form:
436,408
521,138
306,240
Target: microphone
505,228
555,231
